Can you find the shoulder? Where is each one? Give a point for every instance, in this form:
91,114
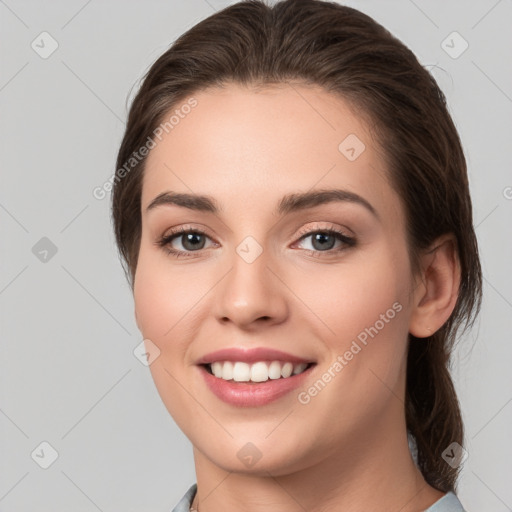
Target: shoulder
186,501
448,503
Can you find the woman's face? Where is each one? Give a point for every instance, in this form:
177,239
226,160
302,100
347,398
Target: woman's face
264,271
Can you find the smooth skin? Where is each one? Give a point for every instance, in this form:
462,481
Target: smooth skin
346,450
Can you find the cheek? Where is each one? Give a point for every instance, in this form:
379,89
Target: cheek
348,298
366,342
362,315
163,305
161,297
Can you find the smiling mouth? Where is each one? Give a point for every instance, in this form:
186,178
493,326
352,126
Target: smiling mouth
257,372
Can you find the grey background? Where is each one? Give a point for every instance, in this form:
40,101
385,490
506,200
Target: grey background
68,374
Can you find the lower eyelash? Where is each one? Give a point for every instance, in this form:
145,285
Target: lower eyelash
164,242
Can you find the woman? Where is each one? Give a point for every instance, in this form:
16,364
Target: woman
293,211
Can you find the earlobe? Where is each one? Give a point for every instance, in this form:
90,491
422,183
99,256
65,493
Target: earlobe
436,295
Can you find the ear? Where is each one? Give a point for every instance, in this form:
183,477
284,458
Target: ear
437,290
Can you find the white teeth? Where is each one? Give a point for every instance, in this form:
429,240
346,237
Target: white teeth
286,370
259,372
241,372
299,368
274,370
256,372
217,369
227,370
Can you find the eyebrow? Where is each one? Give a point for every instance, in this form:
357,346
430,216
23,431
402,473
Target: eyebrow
287,204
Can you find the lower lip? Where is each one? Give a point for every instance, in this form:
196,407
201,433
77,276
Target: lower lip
243,394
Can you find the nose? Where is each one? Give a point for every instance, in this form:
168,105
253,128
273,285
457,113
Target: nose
251,294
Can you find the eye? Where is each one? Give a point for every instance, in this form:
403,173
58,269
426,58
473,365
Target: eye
191,240
324,240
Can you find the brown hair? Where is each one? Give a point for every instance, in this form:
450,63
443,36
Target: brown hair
349,54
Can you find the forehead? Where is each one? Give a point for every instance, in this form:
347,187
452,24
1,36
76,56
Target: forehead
242,145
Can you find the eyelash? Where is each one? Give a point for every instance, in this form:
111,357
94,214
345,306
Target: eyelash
165,241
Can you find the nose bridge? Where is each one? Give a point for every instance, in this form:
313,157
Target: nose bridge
250,291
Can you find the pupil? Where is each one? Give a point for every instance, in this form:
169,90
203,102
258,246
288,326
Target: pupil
321,237
192,238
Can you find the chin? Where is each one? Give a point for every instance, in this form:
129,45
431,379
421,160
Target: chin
258,458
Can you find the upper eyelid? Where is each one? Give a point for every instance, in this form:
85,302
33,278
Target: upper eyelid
186,229
332,227
175,232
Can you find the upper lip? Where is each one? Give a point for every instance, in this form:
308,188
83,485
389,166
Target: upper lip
251,355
